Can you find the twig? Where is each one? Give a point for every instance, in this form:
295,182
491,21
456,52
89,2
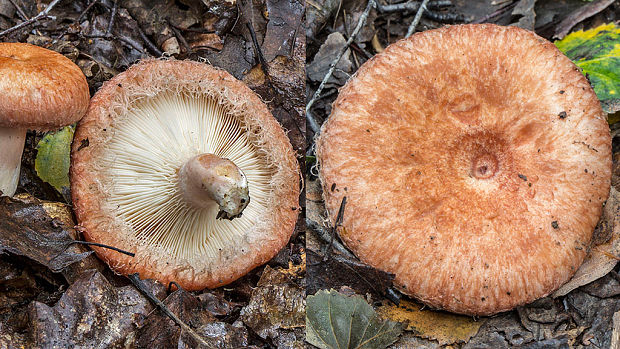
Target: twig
112,18
332,66
41,15
179,36
332,231
136,46
444,17
324,235
88,243
83,14
314,125
21,12
151,46
139,284
496,13
416,19
412,6
259,52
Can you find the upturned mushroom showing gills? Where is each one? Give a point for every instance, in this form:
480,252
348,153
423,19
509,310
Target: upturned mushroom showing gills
39,90
185,166
475,160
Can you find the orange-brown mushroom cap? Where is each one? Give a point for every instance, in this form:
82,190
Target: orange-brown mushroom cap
40,89
141,127
475,160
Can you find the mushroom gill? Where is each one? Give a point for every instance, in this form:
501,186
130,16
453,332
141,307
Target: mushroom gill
144,159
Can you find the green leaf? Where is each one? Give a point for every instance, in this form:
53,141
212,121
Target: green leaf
597,53
54,157
336,321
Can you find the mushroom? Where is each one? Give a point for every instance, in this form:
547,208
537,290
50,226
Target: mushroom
185,166
475,160
40,90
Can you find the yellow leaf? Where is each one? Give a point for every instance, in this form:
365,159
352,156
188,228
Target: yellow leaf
444,327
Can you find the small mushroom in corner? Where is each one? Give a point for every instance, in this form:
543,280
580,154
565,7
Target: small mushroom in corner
39,90
193,174
476,117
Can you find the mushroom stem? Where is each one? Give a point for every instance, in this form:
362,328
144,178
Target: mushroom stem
11,148
207,178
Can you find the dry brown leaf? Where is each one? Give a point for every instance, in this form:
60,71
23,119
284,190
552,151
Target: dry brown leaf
602,258
444,327
210,40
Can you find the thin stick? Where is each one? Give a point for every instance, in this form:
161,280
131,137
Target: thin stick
151,46
259,52
332,66
127,41
21,12
496,13
332,232
139,284
41,15
313,123
416,19
88,243
112,18
411,6
184,42
323,234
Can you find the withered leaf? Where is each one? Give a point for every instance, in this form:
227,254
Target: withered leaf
602,258
91,314
276,307
42,231
525,8
319,66
285,19
161,332
444,327
337,321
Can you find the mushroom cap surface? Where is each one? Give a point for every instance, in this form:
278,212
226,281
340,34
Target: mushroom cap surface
41,89
171,111
475,160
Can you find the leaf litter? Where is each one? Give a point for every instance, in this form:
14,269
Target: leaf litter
550,322
41,271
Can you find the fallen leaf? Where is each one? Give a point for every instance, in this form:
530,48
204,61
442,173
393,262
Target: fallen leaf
91,314
285,19
604,257
444,327
597,53
218,335
210,40
277,305
42,231
580,14
336,321
53,159
525,9
320,64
